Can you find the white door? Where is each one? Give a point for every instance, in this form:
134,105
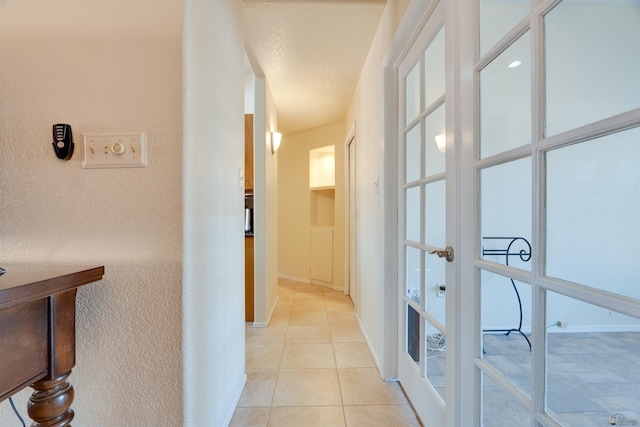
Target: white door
558,200
542,297
422,198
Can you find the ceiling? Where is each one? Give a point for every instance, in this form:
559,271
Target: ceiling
311,53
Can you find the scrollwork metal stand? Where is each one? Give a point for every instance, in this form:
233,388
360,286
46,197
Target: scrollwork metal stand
525,255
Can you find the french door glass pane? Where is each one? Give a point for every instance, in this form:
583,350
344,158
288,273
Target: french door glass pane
412,214
435,224
435,213
593,62
593,211
413,334
505,100
435,142
435,277
434,69
505,207
593,364
499,408
497,18
435,347
412,154
506,327
412,94
413,274
514,251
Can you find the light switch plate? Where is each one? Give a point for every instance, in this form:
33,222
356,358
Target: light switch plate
115,150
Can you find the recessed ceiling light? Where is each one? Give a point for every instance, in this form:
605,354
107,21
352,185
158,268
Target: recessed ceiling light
515,64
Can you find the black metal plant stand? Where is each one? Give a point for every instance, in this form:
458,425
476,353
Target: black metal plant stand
525,255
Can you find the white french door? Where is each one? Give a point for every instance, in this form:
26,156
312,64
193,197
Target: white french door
423,241
538,190
556,167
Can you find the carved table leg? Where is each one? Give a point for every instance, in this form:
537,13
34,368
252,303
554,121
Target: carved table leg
50,403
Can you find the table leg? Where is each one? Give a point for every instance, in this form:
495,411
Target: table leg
50,403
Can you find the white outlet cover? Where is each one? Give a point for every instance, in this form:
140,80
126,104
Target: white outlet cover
115,150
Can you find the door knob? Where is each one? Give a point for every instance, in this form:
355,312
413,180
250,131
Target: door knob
444,253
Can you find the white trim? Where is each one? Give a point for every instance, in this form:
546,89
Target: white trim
414,19
423,21
463,409
594,328
374,355
295,279
541,284
389,368
236,400
351,139
268,321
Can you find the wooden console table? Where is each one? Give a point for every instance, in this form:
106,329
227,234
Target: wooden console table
37,336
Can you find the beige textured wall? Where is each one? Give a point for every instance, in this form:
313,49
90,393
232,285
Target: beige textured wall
366,111
293,201
101,68
271,208
213,212
265,204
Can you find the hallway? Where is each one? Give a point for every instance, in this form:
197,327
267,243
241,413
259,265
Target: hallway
312,367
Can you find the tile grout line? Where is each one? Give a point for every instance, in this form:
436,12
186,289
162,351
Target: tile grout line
275,386
285,317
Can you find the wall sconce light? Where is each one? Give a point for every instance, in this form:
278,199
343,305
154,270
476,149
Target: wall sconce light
276,138
441,142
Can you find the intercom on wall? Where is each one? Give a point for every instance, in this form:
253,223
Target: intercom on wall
62,141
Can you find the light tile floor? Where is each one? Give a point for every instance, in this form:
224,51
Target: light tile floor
312,367
591,376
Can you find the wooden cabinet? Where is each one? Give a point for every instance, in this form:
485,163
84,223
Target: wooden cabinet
248,240
248,279
248,152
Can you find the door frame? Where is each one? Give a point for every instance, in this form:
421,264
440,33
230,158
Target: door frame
350,208
461,340
463,337
415,18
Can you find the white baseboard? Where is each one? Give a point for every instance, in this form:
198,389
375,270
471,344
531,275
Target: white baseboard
593,328
266,324
322,283
368,341
575,329
295,279
236,400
